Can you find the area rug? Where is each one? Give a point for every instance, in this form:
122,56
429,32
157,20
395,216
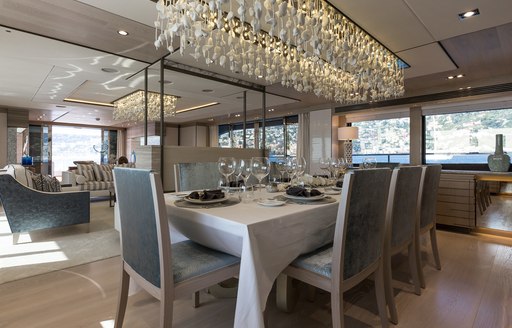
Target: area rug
54,249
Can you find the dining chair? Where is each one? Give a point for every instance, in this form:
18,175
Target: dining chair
427,222
357,250
402,219
196,176
166,271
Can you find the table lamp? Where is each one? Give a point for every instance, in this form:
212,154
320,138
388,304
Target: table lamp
347,134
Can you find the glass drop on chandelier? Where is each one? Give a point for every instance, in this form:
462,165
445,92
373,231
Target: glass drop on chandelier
131,107
305,44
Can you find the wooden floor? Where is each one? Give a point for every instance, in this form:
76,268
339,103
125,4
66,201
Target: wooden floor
498,215
474,289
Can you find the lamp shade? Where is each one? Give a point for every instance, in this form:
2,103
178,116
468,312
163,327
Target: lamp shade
348,133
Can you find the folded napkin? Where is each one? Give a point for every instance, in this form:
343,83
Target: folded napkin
207,194
302,192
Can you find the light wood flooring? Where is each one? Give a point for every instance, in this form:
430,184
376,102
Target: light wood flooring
498,215
474,289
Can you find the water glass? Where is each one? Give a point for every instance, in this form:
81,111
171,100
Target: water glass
369,163
260,168
226,167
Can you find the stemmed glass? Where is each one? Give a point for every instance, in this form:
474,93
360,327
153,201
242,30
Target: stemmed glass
325,165
226,167
281,167
369,163
260,168
291,166
300,167
244,169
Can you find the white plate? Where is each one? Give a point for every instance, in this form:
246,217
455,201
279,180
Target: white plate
332,192
313,198
180,195
200,201
271,202
335,188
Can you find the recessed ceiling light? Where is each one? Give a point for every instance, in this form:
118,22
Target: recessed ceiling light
260,76
460,75
60,106
207,90
109,70
469,13
166,82
451,77
210,120
237,115
122,32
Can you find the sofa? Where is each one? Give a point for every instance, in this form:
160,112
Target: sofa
90,176
28,209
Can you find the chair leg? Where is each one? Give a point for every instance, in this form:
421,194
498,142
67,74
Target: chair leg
15,238
337,308
419,265
195,299
286,293
381,297
123,299
166,308
390,299
412,267
435,250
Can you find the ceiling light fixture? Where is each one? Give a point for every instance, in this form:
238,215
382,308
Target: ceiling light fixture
207,90
459,76
109,70
470,13
196,107
88,102
122,32
309,45
131,107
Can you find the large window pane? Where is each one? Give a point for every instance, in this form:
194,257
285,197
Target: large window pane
466,137
74,144
386,140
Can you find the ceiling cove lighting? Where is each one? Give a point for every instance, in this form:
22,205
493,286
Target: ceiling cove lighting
196,107
122,32
470,13
458,76
88,102
131,107
306,44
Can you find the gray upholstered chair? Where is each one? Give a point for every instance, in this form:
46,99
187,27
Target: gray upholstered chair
165,271
357,250
401,225
196,176
428,216
28,209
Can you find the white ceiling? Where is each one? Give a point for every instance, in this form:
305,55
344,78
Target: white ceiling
39,71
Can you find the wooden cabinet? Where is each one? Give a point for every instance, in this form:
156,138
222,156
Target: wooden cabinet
456,200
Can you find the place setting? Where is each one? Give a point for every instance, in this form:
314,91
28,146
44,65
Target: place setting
206,199
305,196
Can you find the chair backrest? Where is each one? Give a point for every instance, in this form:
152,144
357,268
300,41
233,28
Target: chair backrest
429,195
360,225
405,204
145,238
390,165
196,176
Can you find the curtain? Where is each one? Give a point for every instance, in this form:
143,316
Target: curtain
303,140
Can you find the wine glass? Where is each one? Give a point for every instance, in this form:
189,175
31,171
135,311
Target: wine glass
226,167
300,168
325,165
260,168
291,166
244,167
281,167
369,163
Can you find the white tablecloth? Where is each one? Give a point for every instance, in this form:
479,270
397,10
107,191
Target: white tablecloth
266,239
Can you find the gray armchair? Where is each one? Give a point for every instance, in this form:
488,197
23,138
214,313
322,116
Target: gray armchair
28,209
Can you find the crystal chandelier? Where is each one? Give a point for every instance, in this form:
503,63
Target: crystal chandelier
131,107
305,44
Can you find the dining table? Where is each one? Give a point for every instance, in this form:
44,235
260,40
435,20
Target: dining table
266,238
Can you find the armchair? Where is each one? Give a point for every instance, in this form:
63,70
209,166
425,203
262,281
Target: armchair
28,209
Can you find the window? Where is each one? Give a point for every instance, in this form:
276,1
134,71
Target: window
386,140
280,134
75,144
466,138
